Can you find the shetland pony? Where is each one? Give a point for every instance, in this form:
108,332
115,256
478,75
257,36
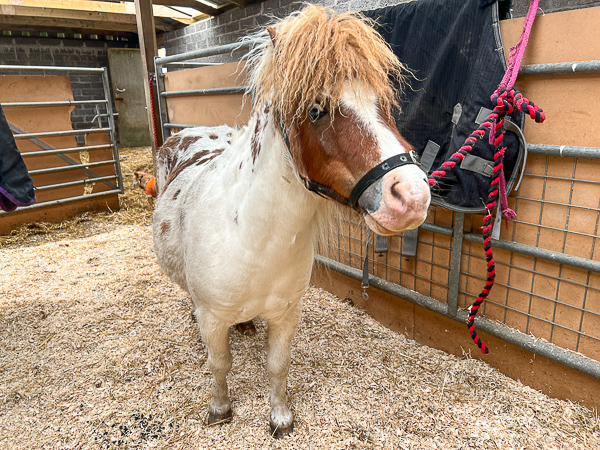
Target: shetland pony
238,211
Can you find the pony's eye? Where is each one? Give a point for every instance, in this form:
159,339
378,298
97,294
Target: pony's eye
315,112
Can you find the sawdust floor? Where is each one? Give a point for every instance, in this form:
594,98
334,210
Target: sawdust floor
98,350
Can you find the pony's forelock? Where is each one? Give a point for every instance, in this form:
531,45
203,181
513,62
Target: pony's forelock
315,51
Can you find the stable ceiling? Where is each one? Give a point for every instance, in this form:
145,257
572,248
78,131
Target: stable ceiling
102,17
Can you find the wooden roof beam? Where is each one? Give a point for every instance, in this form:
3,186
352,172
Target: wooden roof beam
26,15
34,23
124,8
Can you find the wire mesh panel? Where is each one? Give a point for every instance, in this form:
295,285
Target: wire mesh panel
428,272
547,275
558,210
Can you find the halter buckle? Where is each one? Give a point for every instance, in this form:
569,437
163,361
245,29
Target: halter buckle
415,157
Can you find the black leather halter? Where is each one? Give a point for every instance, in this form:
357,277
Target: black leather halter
367,180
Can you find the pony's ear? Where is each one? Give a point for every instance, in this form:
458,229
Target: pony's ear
273,34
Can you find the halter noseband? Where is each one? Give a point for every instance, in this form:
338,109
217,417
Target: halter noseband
367,180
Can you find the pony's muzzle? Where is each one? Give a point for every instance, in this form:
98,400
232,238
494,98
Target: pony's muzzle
397,202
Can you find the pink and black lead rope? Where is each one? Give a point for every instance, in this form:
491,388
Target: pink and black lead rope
505,100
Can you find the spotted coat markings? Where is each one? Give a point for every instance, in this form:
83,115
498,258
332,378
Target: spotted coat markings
164,227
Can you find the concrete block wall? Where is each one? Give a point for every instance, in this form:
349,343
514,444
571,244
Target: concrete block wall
231,26
38,51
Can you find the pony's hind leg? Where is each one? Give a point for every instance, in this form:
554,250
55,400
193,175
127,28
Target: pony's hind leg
215,336
280,336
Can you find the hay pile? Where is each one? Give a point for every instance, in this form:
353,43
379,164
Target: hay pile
98,350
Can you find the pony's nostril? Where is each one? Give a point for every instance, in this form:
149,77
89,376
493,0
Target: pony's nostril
396,191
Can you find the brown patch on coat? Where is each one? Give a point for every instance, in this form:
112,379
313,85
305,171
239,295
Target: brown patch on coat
176,194
164,227
213,136
187,141
184,165
197,159
254,142
212,156
169,147
335,154
167,152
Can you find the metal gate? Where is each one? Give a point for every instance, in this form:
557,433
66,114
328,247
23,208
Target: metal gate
530,305
75,169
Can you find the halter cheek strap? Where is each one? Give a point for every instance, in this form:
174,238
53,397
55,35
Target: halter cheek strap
367,180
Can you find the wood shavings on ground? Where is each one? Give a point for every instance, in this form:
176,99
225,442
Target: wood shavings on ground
98,350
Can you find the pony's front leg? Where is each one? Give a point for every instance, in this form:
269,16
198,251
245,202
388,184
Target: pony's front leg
281,332
216,338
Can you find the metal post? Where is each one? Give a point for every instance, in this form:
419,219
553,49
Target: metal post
457,243
56,103
50,69
111,121
74,183
203,53
65,150
162,103
59,133
565,68
212,91
565,151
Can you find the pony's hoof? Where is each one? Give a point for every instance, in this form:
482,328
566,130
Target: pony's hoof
279,431
246,328
216,419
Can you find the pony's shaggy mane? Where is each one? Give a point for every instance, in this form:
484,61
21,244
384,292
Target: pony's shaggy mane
312,54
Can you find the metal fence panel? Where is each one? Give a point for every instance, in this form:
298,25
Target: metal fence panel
105,124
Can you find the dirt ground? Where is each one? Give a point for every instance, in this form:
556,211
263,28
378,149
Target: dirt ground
98,350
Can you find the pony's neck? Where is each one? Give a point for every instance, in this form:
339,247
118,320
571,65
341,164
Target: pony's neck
273,197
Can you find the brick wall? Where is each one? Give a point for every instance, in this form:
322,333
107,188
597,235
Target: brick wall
34,51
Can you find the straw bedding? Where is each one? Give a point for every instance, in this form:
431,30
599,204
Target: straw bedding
98,350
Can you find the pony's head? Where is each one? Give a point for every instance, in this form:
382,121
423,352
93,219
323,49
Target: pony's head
328,80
